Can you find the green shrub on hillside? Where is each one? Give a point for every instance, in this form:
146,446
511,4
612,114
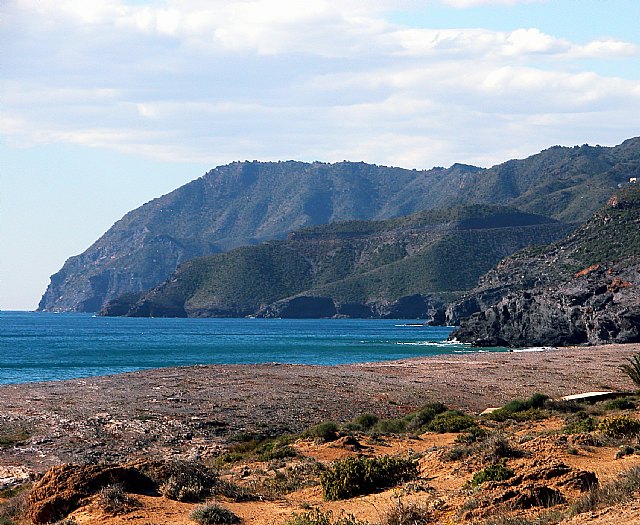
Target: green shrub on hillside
451,421
619,426
323,432
355,476
494,472
521,409
316,517
214,515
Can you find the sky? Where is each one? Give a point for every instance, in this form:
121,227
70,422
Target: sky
106,104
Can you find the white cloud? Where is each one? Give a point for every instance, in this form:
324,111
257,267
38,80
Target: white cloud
462,4
214,81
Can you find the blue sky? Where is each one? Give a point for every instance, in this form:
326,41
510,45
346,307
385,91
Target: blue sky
107,104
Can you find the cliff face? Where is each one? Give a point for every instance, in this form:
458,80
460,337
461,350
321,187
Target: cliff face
581,290
394,268
597,307
245,203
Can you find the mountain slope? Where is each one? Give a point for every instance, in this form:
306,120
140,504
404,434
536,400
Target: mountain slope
353,268
245,203
582,289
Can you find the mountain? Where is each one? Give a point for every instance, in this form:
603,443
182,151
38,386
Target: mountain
245,203
584,289
394,268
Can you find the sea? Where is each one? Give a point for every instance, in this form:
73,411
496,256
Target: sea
38,346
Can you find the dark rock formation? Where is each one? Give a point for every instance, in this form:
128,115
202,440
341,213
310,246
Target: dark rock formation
410,307
597,306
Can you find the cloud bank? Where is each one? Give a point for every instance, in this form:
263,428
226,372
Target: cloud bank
219,80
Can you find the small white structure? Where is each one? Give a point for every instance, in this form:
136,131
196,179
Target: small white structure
592,396
633,180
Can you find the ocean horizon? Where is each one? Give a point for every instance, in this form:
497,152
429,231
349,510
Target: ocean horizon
37,346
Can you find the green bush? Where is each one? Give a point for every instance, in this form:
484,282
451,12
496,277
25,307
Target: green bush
494,472
366,421
621,403
420,419
213,514
258,449
391,426
401,513
580,423
451,421
521,409
355,476
113,500
327,431
619,426
472,435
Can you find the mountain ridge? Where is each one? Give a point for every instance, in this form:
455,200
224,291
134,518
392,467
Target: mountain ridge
244,203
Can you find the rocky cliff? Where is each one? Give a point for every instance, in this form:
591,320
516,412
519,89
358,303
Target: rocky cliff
245,203
581,290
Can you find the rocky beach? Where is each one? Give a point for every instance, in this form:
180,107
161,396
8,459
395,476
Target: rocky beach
193,411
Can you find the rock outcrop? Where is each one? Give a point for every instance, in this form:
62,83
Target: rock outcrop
596,306
65,488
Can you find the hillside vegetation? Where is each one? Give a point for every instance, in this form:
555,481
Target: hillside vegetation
245,203
351,268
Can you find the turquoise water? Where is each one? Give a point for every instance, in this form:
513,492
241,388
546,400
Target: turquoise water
43,347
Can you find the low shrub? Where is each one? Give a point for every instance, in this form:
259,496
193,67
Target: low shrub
13,437
291,479
472,435
355,476
188,481
258,449
391,426
494,472
621,403
521,409
113,500
366,421
401,513
564,407
619,426
580,423
213,514
451,421
323,432
13,510
422,418
316,517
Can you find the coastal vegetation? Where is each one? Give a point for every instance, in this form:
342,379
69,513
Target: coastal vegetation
500,471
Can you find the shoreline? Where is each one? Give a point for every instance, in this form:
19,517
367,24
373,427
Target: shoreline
192,411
